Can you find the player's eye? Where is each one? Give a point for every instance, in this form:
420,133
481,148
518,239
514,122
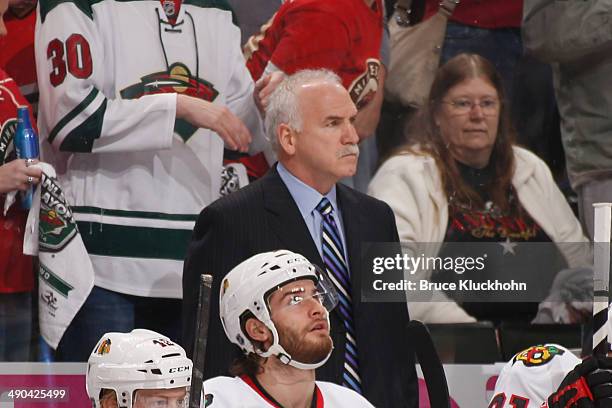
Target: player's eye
295,299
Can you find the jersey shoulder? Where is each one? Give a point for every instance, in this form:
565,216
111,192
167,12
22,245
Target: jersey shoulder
85,6
335,395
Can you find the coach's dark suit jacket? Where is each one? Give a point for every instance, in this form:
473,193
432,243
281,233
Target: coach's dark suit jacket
263,217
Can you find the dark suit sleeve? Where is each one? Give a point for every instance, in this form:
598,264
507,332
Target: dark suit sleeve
205,255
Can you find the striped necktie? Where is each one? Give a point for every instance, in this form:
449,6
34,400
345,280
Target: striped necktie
338,272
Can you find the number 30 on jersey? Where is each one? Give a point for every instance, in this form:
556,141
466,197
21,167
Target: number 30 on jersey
72,56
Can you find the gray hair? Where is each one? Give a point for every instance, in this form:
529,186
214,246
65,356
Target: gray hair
284,105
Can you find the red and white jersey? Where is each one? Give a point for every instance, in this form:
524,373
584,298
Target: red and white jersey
341,35
532,375
246,392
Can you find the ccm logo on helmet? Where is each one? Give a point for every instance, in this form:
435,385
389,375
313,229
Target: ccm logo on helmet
178,369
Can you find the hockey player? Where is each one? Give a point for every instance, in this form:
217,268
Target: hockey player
141,369
532,375
137,100
275,307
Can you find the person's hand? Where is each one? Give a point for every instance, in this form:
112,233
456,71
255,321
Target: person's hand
588,385
264,88
15,175
218,118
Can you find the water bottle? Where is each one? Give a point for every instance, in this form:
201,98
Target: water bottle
26,145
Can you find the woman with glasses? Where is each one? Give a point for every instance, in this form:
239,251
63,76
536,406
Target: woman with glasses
461,179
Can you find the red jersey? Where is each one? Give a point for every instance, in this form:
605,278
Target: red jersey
483,13
17,56
341,35
16,273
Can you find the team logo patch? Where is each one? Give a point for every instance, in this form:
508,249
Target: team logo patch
56,225
169,8
208,400
364,87
178,79
104,347
537,355
7,132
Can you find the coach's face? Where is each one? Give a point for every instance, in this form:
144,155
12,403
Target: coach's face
325,150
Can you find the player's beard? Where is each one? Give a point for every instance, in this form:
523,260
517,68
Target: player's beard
305,349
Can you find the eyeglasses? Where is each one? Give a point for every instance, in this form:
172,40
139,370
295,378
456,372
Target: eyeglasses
463,106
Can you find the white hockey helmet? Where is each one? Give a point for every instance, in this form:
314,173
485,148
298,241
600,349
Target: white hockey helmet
534,373
141,359
245,291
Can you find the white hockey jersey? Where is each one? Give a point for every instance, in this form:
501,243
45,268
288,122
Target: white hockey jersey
532,375
244,392
109,72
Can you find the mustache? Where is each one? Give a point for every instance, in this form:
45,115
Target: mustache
348,150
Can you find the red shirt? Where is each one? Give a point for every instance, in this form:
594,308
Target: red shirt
341,35
16,273
483,13
17,56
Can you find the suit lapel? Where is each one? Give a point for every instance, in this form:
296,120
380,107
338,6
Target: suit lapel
285,219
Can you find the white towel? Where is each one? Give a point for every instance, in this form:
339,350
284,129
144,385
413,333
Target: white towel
66,275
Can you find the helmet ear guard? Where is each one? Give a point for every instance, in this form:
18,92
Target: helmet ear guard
245,292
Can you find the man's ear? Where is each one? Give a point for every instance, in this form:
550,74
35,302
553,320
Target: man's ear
286,139
257,331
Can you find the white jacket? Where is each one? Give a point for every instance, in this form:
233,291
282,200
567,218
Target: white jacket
411,185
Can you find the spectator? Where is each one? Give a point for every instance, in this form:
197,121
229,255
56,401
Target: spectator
17,57
309,119
463,180
492,29
138,144
571,37
16,270
286,339
143,368
344,36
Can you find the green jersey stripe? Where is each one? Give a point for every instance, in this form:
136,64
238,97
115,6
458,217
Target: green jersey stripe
134,242
73,114
47,5
62,287
81,138
134,214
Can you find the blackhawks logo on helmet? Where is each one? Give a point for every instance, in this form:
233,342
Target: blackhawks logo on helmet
104,347
537,355
56,226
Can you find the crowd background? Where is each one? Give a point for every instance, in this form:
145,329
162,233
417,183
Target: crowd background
538,72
